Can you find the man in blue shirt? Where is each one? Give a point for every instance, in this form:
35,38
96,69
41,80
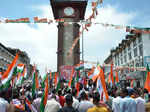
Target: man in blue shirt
128,104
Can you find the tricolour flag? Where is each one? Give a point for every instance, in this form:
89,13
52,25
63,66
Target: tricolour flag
101,85
45,96
77,83
79,66
20,68
7,76
95,75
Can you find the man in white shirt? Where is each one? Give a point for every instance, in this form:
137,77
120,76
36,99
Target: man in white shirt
128,104
52,105
116,102
75,101
84,104
140,102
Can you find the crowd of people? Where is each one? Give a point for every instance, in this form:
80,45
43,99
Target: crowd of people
67,99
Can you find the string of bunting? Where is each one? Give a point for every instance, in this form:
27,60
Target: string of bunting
87,24
118,67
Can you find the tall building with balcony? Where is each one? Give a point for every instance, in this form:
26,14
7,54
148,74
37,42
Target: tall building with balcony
132,52
8,54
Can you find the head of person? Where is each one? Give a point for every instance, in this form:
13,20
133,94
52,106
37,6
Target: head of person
131,92
2,93
53,96
145,91
54,91
83,96
96,98
74,92
69,100
39,94
138,93
124,92
118,93
69,91
59,92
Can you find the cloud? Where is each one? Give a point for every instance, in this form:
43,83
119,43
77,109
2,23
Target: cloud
99,40
40,40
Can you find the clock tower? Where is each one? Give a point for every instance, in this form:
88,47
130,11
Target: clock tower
71,11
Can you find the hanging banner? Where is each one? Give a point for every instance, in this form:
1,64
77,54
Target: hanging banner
21,20
66,71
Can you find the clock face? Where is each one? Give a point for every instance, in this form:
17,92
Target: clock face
69,11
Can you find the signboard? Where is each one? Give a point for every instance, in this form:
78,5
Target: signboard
66,71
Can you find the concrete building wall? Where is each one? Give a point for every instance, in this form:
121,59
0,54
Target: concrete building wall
146,44
132,55
5,58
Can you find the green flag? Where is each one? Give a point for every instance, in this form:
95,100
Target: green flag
33,85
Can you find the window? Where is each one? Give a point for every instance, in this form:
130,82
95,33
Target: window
135,52
121,54
121,61
140,39
129,55
141,50
124,51
125,58
118,63
129,48
134,43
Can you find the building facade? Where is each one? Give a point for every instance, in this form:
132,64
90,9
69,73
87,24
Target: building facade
7,55
132,52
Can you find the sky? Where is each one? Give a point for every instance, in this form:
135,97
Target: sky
40,40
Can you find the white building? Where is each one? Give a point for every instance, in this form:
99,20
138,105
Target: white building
132,52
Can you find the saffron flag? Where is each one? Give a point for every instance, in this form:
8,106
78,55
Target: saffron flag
44,97
111,74
147,82
36,80
71,76
95,75
101,85
91,71
117,77
55,79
